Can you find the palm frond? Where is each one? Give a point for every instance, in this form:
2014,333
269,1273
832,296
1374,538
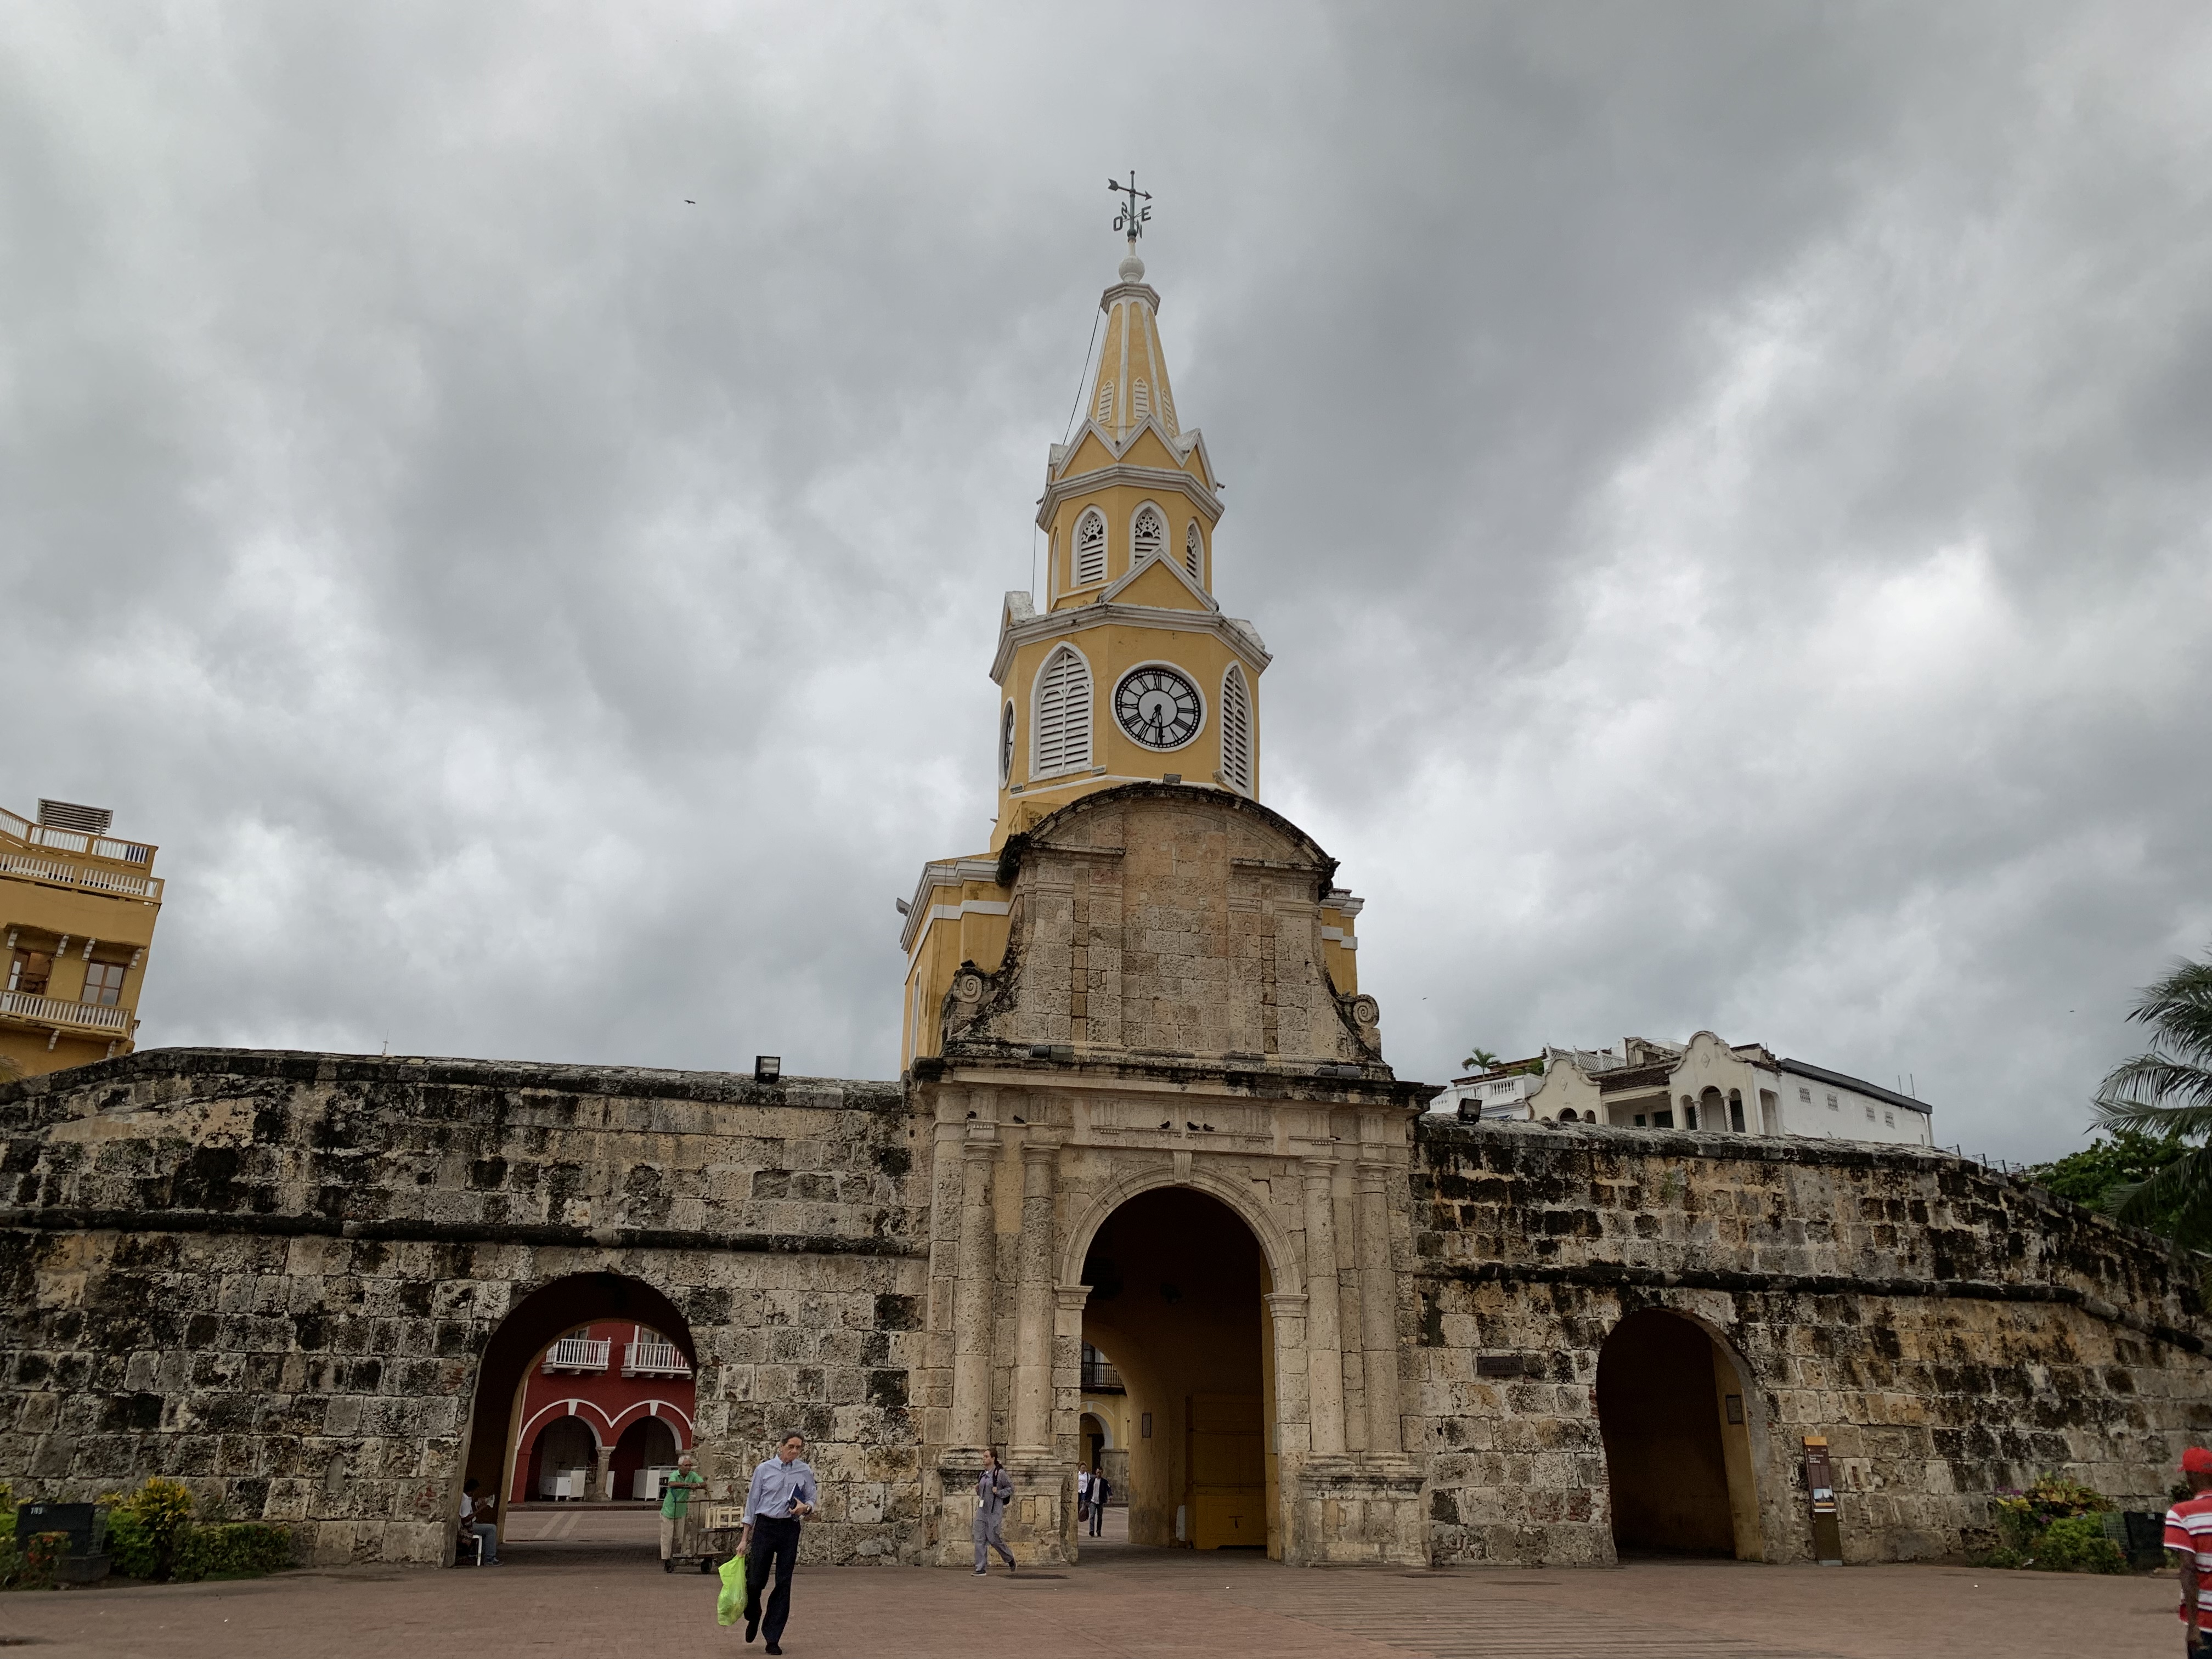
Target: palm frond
2178,1007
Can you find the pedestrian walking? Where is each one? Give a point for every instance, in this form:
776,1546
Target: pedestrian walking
993,1488
1101,1489
782,1495
2189,1535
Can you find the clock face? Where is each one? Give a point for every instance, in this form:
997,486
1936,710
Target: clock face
1006,744
1157,707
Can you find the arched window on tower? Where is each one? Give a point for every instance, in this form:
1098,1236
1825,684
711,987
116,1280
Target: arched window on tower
1091,548
1062,722
1140,401
1105,403
1148,533
1193,552
1236,732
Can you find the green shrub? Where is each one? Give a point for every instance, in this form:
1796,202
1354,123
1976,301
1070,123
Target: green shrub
30,1565
232,1549
146,1528
151,1535
2076,1543
131,1549
2054,1525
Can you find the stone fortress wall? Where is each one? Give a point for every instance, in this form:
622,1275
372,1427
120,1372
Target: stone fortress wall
276,1275
1950,1331
283,1276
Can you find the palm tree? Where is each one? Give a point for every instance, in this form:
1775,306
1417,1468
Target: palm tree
2168,1092
1481,1058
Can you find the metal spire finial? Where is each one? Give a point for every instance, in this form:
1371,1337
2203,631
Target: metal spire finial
1130,220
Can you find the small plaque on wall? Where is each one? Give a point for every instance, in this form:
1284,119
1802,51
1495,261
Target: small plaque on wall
1145,1429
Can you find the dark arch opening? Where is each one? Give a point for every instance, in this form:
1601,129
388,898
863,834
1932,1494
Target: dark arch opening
531,1324
1178,1283
1677,1447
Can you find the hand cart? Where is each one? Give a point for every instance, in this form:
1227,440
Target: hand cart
706,1534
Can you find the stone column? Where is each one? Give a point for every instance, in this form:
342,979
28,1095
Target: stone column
1033,1355
603,1479
1324,1336
1379,1312
971,1297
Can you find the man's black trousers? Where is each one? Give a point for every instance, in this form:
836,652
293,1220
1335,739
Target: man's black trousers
776,1542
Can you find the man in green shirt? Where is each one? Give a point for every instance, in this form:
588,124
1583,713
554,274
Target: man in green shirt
676,1494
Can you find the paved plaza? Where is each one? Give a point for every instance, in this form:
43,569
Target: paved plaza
589,1585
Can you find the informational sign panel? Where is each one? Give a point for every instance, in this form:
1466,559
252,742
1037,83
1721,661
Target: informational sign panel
1821,1493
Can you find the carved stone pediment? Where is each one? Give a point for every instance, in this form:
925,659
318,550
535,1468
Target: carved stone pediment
1161,921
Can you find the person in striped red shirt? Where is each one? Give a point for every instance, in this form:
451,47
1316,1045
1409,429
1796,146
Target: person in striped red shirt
2189,1537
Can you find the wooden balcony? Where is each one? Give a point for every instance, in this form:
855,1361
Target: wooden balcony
654,1359
578,1354
104,1019
89,863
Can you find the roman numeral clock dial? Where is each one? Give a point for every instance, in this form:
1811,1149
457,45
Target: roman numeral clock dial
1158,706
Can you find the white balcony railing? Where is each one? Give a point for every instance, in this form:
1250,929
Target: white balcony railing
53,1010
577,1353
90,877
654,1359
74,841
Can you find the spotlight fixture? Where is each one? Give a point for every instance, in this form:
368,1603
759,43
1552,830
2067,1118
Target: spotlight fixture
766,1067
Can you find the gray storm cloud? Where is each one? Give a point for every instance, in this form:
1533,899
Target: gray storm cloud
1726,488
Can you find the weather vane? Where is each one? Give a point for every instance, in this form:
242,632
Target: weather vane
1130,220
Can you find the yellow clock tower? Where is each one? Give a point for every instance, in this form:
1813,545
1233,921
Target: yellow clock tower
1130,673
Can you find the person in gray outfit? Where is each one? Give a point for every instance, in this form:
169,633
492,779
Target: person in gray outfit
993,1488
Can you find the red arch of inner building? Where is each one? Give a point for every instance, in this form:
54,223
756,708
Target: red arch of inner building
607,1402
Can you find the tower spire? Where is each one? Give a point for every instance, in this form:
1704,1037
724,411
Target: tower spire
1132,380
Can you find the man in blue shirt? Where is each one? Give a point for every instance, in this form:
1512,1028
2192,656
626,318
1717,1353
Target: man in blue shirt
782,1496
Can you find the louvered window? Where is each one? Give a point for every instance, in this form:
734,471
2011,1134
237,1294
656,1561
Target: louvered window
1063,714
1090,548
1236,732
1193,552
1105,403
1148,533
1140,401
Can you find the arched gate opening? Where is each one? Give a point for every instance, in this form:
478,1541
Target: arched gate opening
619,1357
1178,1281
1671,1411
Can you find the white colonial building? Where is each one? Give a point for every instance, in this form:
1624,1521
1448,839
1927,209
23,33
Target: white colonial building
1704,1083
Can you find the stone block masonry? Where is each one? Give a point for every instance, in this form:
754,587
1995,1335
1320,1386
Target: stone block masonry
1951,1333
274,1275
309,1284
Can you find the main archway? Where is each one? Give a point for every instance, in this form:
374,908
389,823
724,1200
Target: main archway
1177,1286
1671,1410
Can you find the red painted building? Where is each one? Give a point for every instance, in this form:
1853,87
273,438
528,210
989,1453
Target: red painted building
602,1409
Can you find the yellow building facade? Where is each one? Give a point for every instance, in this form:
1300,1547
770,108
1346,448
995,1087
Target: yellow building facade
77,908
1130,673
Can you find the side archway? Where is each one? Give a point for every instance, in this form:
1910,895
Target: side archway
532,1323
1675,1411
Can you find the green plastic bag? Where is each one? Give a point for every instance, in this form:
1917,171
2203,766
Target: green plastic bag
730,1605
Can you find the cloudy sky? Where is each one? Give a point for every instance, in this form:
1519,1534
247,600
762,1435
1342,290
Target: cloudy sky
513,501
